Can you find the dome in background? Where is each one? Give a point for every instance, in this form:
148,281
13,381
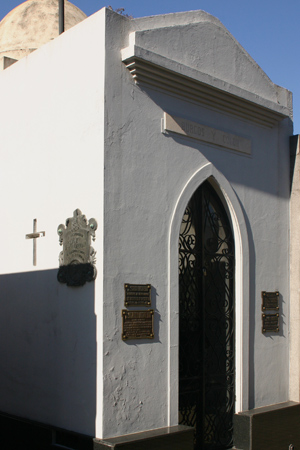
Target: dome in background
32,24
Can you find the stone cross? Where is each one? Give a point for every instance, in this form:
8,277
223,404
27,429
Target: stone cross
34,236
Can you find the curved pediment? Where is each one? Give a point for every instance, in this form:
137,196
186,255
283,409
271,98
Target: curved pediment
200,41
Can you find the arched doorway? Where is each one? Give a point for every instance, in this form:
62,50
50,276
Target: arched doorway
206,324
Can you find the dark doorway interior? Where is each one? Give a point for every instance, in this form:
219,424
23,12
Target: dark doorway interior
206,328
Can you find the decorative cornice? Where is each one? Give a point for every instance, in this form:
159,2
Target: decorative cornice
175,78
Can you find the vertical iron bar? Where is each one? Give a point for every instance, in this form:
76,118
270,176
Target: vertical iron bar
61,13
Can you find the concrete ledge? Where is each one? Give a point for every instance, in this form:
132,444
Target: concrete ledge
273,427
170,76
170,438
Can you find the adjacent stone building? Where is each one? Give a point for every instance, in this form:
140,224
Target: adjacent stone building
31,25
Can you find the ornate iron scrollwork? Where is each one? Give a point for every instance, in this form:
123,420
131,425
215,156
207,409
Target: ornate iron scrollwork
206,346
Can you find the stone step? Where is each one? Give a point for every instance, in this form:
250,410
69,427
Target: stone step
178,437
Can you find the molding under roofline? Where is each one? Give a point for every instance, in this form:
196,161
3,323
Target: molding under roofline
172,77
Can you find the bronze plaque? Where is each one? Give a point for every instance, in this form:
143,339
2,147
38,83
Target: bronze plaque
137,324
137,294
270,323
270,301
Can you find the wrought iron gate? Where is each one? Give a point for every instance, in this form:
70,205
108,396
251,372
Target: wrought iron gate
206,325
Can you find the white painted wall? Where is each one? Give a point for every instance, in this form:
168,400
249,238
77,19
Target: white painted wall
294,276
56,157
51,116
145,173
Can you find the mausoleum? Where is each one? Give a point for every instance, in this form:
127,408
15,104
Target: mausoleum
161,157
31,25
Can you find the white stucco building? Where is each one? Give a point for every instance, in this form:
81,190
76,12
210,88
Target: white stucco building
132,121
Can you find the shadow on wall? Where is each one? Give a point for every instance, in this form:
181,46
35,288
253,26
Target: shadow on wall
48,351
248,171
252,309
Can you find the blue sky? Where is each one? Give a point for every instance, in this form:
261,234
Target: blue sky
267,29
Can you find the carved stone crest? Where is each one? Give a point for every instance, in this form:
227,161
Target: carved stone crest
78,258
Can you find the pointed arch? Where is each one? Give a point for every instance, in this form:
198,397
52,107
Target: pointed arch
239,228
